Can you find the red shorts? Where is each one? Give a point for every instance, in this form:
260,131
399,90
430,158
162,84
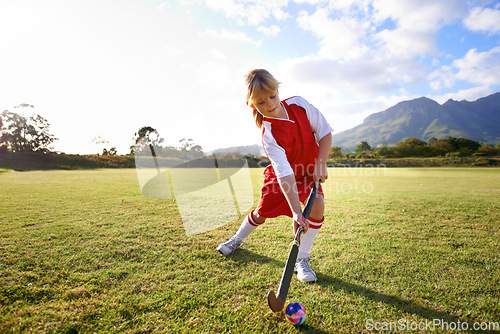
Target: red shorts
273,202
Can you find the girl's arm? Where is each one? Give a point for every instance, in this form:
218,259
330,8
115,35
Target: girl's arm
289,188
320,170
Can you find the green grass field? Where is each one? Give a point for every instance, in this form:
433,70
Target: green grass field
84,251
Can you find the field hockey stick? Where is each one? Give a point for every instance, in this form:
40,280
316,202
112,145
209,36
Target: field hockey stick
276,303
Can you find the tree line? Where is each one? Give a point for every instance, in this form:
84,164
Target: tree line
414,147
19,133
22,134
148,138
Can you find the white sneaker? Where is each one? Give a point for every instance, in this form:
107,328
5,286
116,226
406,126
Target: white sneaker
227,248
304,272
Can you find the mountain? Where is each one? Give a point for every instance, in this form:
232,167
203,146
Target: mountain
424,118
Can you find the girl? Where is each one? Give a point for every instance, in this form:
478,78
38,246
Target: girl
297,140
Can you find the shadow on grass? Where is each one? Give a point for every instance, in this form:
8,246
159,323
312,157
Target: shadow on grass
326,281
407,306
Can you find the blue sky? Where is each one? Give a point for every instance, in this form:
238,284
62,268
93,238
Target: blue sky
106,68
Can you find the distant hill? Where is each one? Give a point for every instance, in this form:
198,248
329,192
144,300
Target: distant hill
254,150
424,118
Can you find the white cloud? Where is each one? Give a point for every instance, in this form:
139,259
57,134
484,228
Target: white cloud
345,97
279,14
471,94
484,20
253,12
339,38
480,68
261,10
426,16
352,78
269,31
354,55
354,60
444,77
310,2
347,5
406,44
417,24
230,8
232,36
218,54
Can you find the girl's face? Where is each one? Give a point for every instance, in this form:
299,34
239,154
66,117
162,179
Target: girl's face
269,105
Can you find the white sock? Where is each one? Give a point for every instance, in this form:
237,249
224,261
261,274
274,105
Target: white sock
307,242
246,228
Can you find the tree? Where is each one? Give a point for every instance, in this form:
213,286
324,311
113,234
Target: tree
111,151
363,147
417,147
489,150
464,146
432,141
3,147
385,151
402,150
25,134
335,152
442,147
190,149
146,136
412,147
467,147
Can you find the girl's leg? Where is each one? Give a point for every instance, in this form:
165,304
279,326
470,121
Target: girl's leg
316,221
304,271
249,224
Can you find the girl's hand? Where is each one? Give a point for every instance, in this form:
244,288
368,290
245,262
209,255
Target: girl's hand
320,173
299,221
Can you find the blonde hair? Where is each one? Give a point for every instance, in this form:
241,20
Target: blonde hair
259,82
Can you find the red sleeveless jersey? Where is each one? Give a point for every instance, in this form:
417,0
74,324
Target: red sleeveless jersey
292,147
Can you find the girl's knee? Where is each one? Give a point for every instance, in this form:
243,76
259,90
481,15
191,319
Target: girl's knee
258,218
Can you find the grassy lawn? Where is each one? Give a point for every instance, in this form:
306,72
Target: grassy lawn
84,251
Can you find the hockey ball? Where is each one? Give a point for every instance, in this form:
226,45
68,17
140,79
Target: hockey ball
295,313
